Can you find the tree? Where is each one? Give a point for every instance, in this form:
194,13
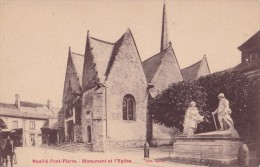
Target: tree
169,107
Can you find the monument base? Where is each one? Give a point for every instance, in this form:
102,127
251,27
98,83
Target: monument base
220,147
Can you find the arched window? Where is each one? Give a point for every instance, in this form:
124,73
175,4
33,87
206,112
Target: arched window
129,107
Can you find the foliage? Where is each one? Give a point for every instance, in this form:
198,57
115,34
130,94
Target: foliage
168,108
235,86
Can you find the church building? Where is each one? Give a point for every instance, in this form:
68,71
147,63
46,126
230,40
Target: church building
107,89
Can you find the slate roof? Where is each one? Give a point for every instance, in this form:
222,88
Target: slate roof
113,54
28,110
254,41
78,61
192,72
246,66
102,52
151,65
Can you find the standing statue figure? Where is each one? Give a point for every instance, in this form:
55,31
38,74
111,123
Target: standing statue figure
192,118
223,112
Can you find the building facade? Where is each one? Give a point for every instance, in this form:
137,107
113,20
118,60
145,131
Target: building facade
24,121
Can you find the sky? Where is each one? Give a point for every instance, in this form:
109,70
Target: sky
35,36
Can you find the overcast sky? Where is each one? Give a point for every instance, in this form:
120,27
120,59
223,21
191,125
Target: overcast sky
35,36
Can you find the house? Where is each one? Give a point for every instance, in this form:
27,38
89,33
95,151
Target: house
24,120
250,56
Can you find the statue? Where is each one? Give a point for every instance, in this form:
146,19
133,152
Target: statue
224,112
192,118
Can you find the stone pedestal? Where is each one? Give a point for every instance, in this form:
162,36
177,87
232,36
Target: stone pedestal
220,147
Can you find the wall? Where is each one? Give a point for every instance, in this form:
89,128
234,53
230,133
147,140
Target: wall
71,81
93,115
24,124
126,77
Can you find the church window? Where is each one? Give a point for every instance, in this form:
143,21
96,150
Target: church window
129,107
124,109
89,134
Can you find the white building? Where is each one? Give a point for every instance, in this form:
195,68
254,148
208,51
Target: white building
24,120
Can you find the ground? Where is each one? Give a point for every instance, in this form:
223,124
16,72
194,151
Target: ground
48,157
29,156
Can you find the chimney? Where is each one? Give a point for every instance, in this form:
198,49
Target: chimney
17,100
49,104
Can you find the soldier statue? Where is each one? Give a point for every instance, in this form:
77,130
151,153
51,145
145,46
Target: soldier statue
224,112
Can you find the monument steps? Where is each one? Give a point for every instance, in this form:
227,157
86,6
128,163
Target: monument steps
71,147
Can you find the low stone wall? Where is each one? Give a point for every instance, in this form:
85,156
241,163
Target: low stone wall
118,145
164,142
214,147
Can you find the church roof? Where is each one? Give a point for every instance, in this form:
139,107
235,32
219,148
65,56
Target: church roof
113,54
78,61
192,72
254,41
102,52
151,65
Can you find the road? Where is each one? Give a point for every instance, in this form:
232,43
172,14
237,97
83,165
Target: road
45,157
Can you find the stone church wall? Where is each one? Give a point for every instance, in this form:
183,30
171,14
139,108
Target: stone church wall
126,77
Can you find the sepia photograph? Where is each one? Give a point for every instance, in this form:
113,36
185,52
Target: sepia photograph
137,83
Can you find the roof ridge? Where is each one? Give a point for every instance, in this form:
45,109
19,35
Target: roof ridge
170,46
192,65
102,41
164,51
114,53
33,103
77,54
249,39
7,103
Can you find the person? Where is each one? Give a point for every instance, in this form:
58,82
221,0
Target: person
192,118
10,150
224,112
